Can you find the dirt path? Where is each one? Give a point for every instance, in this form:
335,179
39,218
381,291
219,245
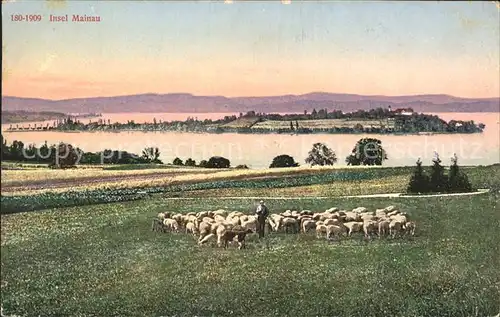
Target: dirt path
392,195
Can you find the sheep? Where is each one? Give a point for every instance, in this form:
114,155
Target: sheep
161,216
219,218
400,218
353,227
360,210
390,208
214,226
383,227
234,220
393,213
332,210
208,219
204,229
202,214
220,212
191,228
295,214
206,238
157,225
369,227
352,216
395,227
329,222
334,230
307,225
250,224
320,229
171,224
178,218
288,223
410,227
275,221
237,233
306,213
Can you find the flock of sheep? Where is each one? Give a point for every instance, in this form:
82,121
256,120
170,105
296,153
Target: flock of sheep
333,224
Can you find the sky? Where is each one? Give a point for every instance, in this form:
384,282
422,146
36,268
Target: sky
251,48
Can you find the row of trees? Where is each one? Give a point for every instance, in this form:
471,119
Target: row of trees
66,155
438,181
213,162
367,151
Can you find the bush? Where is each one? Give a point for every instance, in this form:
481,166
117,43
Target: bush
242,166
218,162
283,161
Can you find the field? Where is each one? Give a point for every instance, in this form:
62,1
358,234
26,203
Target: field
245,122
320,124
103,259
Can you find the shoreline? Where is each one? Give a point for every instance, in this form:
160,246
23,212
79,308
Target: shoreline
235,132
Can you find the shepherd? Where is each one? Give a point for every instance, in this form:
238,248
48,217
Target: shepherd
262,213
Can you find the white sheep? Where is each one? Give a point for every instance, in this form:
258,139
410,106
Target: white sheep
308,225
250,224
369,227
320,229
191,228
171,224
206,238
383,227
353,226
333,231
288,223
410,227
352,216
395,227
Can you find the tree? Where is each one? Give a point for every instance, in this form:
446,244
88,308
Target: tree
203,163
218,162
438,181
419,181
177,161
367,151
151,155
66,156
190,162
322,155
283,161
457,181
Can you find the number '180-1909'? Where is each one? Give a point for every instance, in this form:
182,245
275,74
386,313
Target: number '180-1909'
27,17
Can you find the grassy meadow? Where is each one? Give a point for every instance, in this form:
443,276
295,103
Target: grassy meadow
91,252
104,260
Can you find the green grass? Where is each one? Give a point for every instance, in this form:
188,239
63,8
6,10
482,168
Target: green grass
104,260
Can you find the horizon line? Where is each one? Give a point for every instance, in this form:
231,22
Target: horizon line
266,96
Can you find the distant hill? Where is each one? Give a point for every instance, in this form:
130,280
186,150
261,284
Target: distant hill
180,102
28,116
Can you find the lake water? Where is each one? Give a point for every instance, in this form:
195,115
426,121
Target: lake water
257,151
